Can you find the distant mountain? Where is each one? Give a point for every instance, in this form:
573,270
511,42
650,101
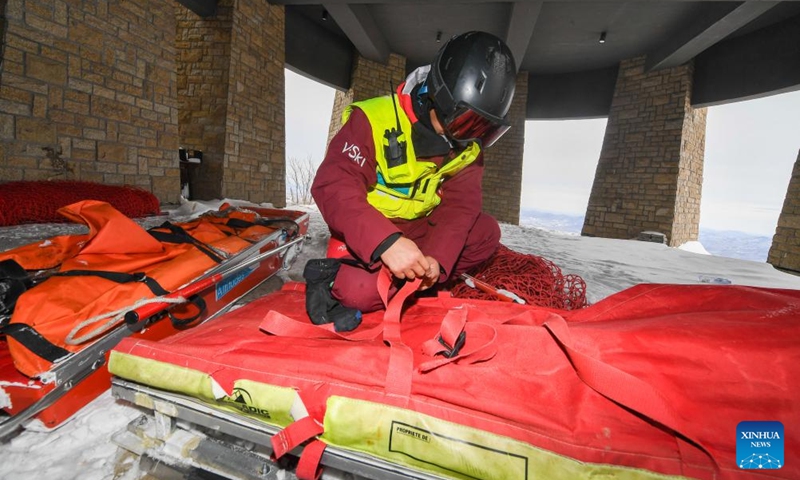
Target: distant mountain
732,244
722,243
556,222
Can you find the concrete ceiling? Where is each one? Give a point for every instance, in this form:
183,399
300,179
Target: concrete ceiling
549,38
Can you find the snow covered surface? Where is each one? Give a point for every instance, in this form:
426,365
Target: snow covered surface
81,448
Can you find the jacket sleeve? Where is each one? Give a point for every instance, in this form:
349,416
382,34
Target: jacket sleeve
341,184
455,216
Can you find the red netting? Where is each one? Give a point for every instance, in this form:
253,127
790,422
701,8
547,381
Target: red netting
535,279
37,202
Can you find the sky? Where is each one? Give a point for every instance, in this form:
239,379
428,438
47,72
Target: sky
308,115
751,147
82,449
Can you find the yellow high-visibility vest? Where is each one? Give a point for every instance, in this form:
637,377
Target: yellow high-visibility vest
408,190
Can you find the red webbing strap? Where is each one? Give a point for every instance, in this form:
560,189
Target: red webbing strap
449,331
401,357
626,390
278,324
308,468
293,435
480,342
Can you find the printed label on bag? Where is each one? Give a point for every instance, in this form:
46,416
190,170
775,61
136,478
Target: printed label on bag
455,454
759,445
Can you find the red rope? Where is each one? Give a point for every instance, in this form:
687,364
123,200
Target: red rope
535,279
37,201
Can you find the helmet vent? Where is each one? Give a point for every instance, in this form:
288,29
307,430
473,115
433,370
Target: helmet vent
480,83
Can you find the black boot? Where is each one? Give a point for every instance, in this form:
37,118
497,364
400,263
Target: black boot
321,307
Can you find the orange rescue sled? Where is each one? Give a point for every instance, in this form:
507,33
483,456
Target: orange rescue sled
87,292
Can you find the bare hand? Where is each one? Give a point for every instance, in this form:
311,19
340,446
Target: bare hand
431,275
405,260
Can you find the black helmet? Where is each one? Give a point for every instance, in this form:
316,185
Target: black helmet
472,84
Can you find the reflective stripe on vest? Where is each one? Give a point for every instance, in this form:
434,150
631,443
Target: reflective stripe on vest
408,190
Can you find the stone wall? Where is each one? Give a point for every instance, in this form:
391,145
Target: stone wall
785,250
502,178
88,92
650,173
203,66
255,136
370,79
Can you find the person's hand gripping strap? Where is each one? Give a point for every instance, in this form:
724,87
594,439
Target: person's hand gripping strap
401,358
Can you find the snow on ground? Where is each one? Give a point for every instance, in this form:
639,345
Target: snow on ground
609,266
81,449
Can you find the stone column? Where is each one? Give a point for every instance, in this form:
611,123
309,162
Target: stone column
502,178
369,79
650,173
231,85
203,64
785,250
255,133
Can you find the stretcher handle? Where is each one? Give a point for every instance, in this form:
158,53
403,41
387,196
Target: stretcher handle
135,318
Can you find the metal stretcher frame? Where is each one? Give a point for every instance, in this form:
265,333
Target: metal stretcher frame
162,432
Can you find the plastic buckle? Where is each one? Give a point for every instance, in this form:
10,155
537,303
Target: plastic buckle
139,276
452,351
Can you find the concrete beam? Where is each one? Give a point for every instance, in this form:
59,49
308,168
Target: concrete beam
316,52
451,2
571,96
357,23
761,63
706,30
203,8
520,27
385,2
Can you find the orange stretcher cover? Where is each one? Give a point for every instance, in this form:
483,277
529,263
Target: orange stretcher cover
54,307
115,243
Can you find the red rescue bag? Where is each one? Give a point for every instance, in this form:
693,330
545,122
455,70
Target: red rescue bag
651,381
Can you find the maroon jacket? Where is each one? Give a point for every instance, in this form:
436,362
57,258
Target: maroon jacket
349,170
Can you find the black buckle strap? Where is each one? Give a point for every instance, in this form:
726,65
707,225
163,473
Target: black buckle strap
35,342
14,281
118,277
452,351
199,303
238,223
289,226
179,235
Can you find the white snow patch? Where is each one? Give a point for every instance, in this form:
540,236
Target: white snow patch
694,247
193,208
5,400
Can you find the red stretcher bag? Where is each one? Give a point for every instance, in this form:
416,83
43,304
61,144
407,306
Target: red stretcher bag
649,382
